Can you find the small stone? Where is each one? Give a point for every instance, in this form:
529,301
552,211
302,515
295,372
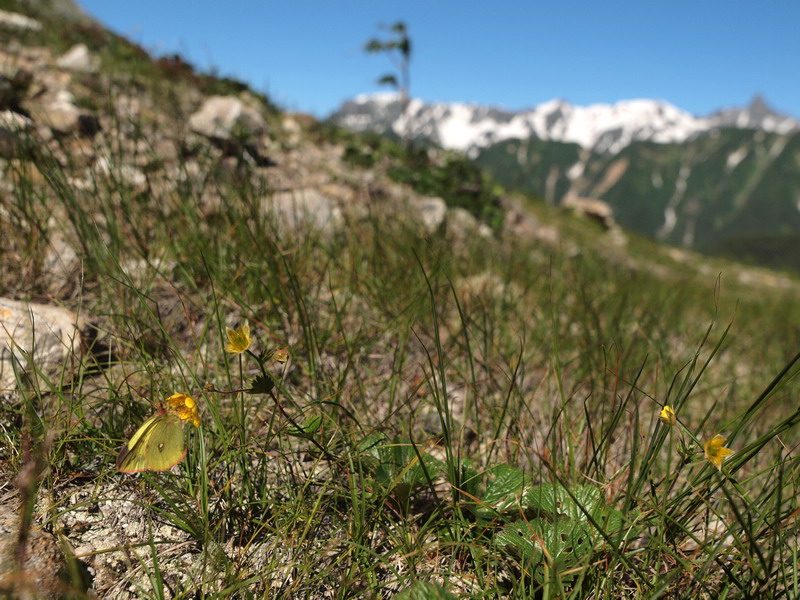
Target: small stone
79,59
591,208
61,115
14,20
13,129
39,575
61,267
224,117
48,336
461,224
429,211
295,208
127,175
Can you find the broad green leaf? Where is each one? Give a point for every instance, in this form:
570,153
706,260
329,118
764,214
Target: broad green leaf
396,462
261,385
470,479
505,486
521,539
553,501
372,444
400,462
561,544
369,451
308,428
424,590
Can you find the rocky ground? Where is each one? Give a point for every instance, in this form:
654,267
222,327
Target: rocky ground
78,125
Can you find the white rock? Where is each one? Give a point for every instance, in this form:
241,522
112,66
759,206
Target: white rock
124,173
294,209
61,114
79,59
429,212
14,121
61,265
11,126
49,335
18,21
461,223
591,208
220,116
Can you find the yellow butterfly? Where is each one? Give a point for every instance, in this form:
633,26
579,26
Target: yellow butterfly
158,444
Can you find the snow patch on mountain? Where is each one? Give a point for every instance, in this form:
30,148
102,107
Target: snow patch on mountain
600,127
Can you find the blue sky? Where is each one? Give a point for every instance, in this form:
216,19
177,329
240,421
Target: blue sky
700,55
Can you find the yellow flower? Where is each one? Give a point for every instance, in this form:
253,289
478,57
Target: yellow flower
281,355
667,415
716,451
238,339
184,407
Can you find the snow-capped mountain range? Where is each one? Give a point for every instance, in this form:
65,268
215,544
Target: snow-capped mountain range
604,128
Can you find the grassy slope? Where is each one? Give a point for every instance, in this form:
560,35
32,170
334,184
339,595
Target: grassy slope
718,207
553,360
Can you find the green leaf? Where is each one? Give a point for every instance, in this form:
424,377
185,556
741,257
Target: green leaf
424,590
399,462
388,80
470,479
372,445
261,385
553,501
504,488
309,427
369,451
399,27
520,539
568,527
396,462
374,46
567,542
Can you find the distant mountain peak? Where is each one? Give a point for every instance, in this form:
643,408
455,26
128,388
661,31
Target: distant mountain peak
600,127
757,115
758,106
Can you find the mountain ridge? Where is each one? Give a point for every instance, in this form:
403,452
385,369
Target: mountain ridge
726,183
606,128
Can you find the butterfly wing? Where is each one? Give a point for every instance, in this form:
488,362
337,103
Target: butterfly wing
164,447
132,458
157,445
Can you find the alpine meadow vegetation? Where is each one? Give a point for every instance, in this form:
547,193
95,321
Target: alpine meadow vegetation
378,408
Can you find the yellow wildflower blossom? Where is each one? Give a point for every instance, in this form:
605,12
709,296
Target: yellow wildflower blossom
184,407
238,339
716,452
281,355
667,415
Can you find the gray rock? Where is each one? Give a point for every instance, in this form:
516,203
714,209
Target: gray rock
61,267
66,11
39,576
461,224
224,117
13,129
519,223
14,20
61,115
79,59
295,209
428,211
37,337
124,174
593,209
